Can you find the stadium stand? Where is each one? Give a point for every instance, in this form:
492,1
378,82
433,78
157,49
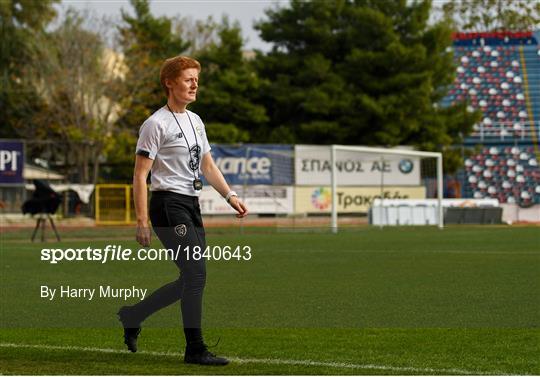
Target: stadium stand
499,74
509,174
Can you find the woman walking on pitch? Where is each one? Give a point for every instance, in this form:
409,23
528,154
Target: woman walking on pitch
172,145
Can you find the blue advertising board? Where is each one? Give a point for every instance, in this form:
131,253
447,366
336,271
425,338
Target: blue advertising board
11,162
255,164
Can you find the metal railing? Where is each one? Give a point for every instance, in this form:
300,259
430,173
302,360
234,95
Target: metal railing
505,131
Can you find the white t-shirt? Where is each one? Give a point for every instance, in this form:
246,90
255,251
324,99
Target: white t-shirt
161,140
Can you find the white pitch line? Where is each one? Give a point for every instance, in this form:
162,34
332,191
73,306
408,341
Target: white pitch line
263,361
390,251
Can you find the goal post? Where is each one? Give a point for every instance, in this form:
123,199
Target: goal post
428,164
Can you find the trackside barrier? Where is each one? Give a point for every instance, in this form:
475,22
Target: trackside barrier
425,212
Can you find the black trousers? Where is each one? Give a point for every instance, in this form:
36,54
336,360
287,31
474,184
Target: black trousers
177,221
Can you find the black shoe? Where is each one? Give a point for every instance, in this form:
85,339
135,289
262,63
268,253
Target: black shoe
131,331
204,357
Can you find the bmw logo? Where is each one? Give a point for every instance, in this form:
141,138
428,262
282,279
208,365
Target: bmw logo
406,166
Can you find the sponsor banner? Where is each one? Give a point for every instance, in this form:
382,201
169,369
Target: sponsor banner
255,164
259,199
318,199
11,162
312,163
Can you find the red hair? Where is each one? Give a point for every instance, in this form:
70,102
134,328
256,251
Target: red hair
172,69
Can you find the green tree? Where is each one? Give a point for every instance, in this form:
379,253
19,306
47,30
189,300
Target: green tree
199,34
228,82
493,15
147,41
21,23
364,72
229,88
78,81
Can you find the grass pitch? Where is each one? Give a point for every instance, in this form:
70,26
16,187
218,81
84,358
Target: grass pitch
464,300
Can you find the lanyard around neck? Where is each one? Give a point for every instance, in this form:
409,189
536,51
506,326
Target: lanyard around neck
197,149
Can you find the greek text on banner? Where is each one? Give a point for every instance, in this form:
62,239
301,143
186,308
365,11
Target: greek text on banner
318,199
312,163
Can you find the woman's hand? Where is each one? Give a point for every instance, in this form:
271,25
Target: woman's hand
238,206
216,180
144,235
